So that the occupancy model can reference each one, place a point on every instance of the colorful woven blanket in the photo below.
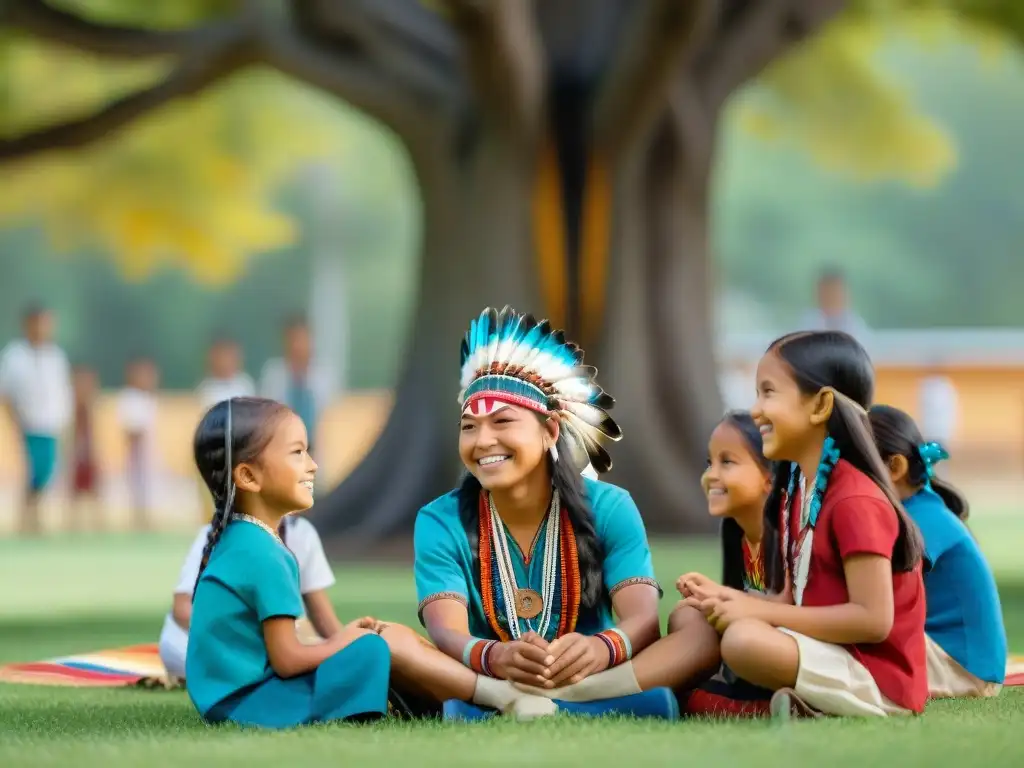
(134, 665)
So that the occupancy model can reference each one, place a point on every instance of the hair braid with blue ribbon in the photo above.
(827, 463)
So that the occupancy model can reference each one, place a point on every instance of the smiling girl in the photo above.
(736, 482)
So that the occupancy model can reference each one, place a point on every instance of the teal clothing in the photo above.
(444, 563)
(302, 401)
(252, 577)
(41, 455)
(964, 613)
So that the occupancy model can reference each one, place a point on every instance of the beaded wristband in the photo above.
(619, 647)
(475, 654)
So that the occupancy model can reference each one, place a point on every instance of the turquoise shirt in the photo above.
(964, 614)
(444, 562)
(251, 577)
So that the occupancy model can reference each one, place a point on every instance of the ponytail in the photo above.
(771, 541)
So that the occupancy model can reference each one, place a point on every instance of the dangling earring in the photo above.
(553, 450)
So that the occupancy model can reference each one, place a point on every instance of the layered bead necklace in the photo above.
(527, 603)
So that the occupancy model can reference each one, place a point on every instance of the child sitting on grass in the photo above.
(736, 482)
(315, 578)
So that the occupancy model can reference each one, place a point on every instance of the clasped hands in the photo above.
(533, 661)
(720, 605)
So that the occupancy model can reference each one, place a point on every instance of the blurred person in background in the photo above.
(833, 311)
(137, 414)
(84, 471)
(297, 380)
(35, 386)
(938, 404)
(225, 377)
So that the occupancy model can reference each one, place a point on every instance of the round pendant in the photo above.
(529, 603)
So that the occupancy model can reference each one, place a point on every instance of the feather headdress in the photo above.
(510, 358)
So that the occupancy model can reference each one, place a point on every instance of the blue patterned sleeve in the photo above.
(437, 567)
(627, 559)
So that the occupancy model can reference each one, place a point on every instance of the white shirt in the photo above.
(276, 376)
(136, 413)
(212, 391)
(37, 382)
(938, 403)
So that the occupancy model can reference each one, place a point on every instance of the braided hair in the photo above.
(232, 432)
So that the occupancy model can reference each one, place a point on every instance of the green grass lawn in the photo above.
(69, 595)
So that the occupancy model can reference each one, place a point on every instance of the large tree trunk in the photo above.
(490, 240)
(658, 346)
(591, 214)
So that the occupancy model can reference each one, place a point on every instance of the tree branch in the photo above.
(399, 37)
(505, 59)
(340, 70)
(42, 20)
(663, 34)
(192, 76)
(752, 35)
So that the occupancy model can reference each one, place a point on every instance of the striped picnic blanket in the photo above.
(113, 668)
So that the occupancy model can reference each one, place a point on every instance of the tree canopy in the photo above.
(152, 131)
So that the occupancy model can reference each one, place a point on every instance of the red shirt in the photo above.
(856, 518)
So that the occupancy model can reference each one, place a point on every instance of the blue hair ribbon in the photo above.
(931, 454)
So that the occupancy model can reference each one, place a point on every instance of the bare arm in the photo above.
(866, 618)
(181, 611)
(447, 624)
(636, 606)
(321, 613)
(290, 658)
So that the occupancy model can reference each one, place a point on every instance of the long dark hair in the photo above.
(567, 481)
(252, 423)
(733, 566)
(820, 359)
(896, 434)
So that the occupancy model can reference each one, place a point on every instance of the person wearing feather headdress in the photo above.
(520, 570)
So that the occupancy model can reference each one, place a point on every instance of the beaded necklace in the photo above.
(796, 548)
(560, 578)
